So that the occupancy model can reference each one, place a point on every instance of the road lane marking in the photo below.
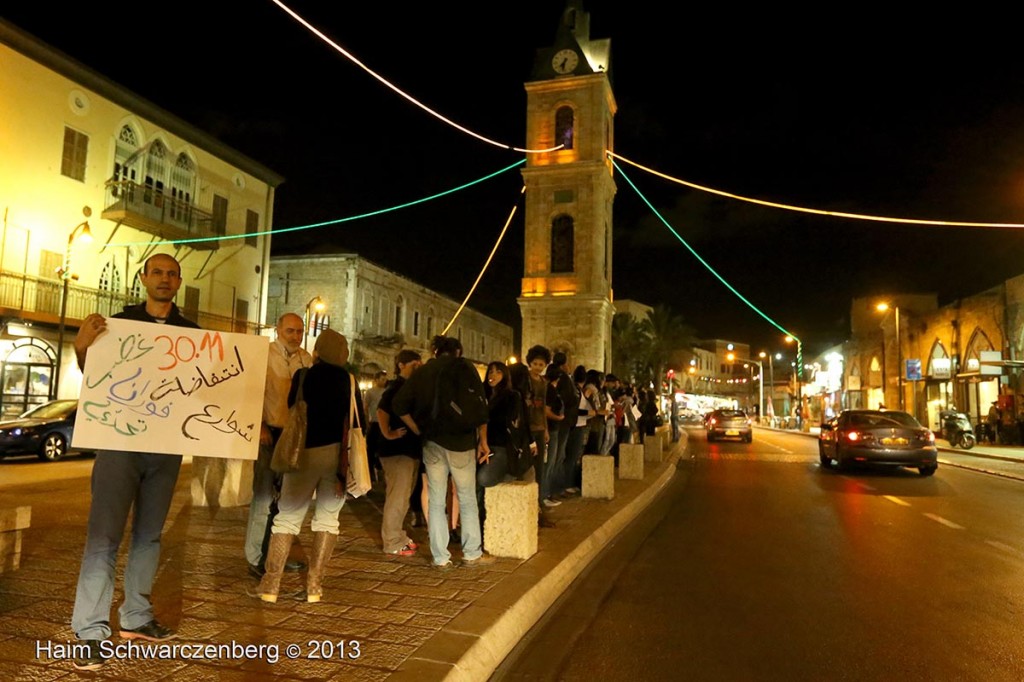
(945, 522)
(1005, 547)
(896, 500)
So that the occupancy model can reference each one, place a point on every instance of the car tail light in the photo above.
(929, 436)
(853, 436)
(712, 421)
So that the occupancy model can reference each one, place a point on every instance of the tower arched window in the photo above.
(562, 244)
(564, 128)
(136, 291)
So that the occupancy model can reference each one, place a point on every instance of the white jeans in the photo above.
(318, 474)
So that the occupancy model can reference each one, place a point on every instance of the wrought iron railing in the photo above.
(156, 206)
(42, 296)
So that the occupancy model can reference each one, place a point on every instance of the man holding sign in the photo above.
(119, 480)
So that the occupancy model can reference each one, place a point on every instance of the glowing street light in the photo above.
(883, 307)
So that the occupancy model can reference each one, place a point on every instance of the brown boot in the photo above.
(277, 555)
(323, 546)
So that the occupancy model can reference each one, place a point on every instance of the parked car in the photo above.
(45, 431)
(728, 424)
(885, 437)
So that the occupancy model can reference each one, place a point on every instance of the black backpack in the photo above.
(459, 403)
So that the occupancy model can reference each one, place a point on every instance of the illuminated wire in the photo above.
(700, 259)
(815, 211)
(482, 271)
(333, 222)
(319, 34)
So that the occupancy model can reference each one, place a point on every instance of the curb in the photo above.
(478, 640)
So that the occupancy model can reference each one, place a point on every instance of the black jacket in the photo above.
(138, 313)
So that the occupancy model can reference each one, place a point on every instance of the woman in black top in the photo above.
(327, 390)
(400, 455)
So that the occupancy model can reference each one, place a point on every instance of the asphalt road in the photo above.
(759, 565)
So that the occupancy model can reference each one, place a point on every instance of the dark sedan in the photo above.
(44, 431)
(728, 424)
(886, 437)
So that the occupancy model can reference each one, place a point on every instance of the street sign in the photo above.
(913, 369)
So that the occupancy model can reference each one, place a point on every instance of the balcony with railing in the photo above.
(37, 299)
(149, 209)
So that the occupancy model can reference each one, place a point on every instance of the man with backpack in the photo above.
(443, 403)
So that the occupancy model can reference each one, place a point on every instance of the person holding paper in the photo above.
(120, 480)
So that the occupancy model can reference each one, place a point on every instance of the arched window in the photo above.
(27, 372)
(979, 342)
(125, 155)
(136, 293)
(399, 312)
(156, 172)
(938, 362)
(109, 288)
(562, 244)
(183, 181)
(564, 118)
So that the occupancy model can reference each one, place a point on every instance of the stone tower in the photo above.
(566, 299)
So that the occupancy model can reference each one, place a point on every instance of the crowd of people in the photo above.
(439, 433)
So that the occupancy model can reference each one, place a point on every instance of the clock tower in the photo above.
(566, 300)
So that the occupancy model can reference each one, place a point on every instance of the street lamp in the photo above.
(771, 377)
(760, 381)
(82, 233)
(882, 307)
(318, 306)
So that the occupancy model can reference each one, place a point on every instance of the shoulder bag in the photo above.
(357, 481)
(293, 437)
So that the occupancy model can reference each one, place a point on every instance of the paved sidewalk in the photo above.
(382, 617)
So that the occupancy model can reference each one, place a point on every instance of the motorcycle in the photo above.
(956, 428)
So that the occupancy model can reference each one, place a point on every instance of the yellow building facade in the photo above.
(82, 154)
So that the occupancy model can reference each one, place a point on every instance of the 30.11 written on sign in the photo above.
(172, 390)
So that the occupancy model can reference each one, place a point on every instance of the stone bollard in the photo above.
(13, 522)
(510, 528)
(599, 477)
(631, 461)
(652, 449)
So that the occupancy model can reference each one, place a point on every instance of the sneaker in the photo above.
(151, 632)
(404, 551)
(549, 502)
(482, 560)
(412, 545)
(573, 491)
(91, 657)
(445, 567)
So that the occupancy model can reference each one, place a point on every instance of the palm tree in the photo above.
(630, 347)
(668, 333)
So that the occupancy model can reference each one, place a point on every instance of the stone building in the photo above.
(566, 299)
(379, 311)
(83, 156)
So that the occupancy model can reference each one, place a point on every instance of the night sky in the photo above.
(863, 114)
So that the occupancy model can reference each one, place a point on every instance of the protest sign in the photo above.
(172, 390)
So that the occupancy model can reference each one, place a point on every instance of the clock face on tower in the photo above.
(565, 61)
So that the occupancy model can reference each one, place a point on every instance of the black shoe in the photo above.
(294, 566)
(91, 657)
(455, 536)
(255, 571)
(151, 632)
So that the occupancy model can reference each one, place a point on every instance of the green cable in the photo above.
(332, 222)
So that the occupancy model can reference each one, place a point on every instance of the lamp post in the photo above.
(80, 232)
(799, 375)
(771, 377)
(318, 306)
(760, 381)
(882, 307)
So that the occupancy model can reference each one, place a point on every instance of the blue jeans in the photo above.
(554, 481)
(491, 473)
(574, 453)
(259, 508)
(120, 479)
(439, 462)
